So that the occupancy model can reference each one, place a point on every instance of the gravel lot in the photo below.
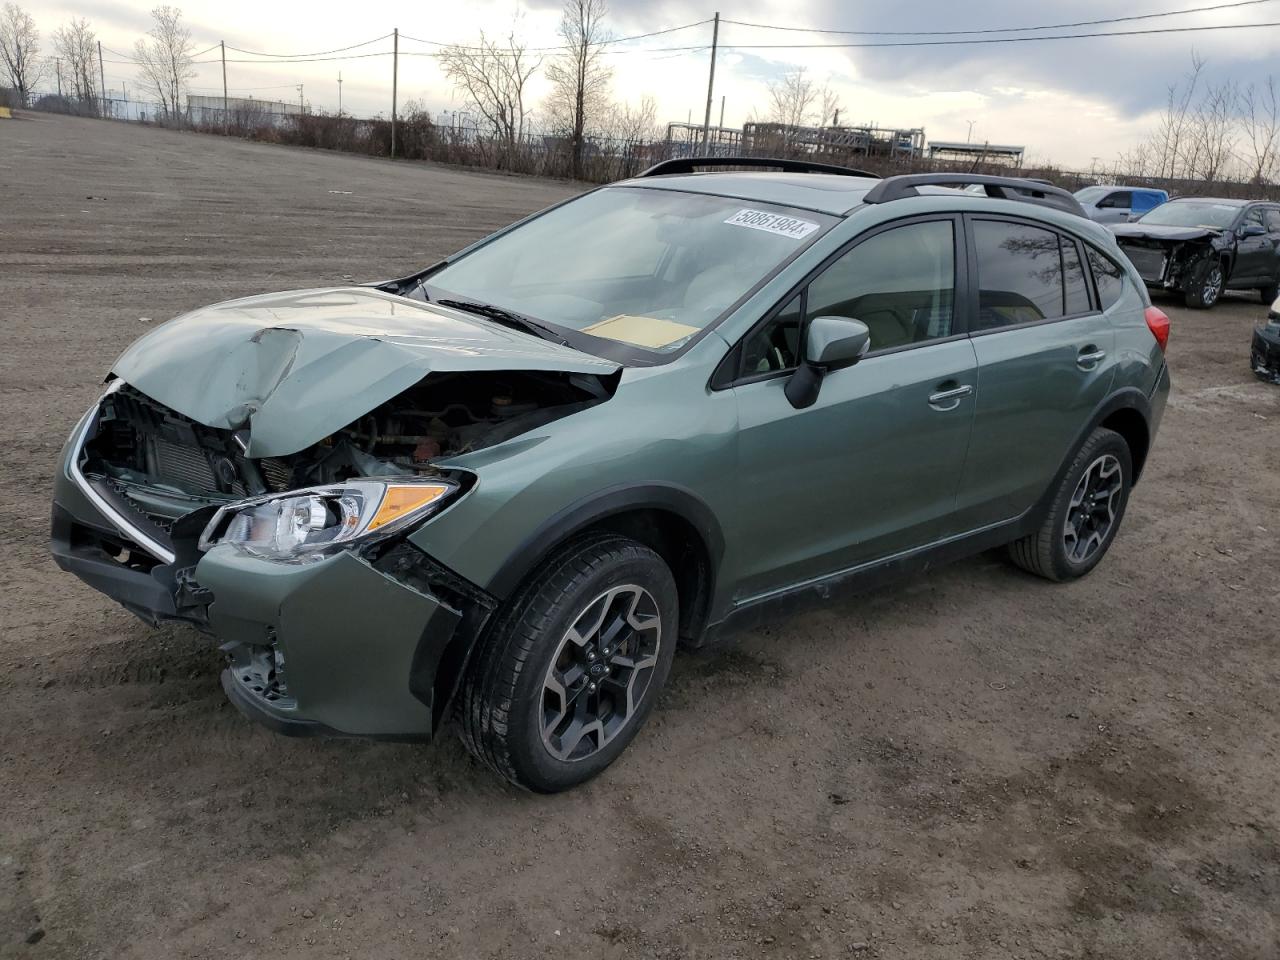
(974, 764)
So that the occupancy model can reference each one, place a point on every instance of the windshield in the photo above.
(640, 267)
(1192, 213)
(1090, 194)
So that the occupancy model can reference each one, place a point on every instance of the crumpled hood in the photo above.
(295, 367)
(1140, 231)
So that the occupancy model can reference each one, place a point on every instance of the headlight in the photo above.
(305, 524)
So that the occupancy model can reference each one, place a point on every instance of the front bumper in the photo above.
(357, 645)
(1264, 352)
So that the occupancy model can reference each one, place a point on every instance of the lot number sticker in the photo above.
(773, 223)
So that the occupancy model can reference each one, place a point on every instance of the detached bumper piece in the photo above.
(1265, 352)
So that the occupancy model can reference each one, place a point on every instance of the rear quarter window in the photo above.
(1108, 277)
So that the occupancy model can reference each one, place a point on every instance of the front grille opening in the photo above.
(141, 441)
(128, 555)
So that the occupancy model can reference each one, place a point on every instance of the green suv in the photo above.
(507, 487)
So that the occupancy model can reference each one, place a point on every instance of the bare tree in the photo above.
(492, 78)
(1260, 120)
(579, 77)
(164, 57)
(631, 124)
(20, 50)
(1211, 145)
(792, 99)
(76, 45)
(829, 107)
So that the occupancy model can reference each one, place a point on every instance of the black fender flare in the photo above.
(598, 506)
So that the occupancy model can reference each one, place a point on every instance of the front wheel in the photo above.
(1206, 286)
(572, 667)
(1269, 293)
(1085, 513)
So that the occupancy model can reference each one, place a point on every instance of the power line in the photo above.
(990, 40)
(315, 53)
(1047, 26)
(606, 42)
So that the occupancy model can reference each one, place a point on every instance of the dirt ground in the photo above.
(975, 764)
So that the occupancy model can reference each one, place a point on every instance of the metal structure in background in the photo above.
(1004, 154)
(240, 112)
(762, 139)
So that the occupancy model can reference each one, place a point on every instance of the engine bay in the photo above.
(165, 464)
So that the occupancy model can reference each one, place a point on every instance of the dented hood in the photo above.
(295, 367)
(1140, 231)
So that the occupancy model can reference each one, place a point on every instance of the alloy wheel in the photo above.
(600, 672)
(1091, 514)
(1212, 287)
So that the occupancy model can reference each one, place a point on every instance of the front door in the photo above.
(1254, 255)
(871, 469)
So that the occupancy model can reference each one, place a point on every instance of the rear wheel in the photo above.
(1207, 284)
(571, 669)
(1085, 513)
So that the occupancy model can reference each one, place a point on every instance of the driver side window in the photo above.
(900, 283)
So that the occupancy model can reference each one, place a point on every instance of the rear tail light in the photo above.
(1158, 322)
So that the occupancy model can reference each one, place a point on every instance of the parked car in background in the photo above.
(509, 484)
(1119, 204)
(1265, 353)
(1200, 246)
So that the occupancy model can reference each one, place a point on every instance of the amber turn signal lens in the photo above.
(401, 499)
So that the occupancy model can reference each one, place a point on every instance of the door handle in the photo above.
(945, 400)
(1089, 357)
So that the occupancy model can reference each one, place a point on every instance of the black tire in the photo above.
(1048, 551)
(503, 700)
(1207, 284)
(1269, 293)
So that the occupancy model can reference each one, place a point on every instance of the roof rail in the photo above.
(691, 164)
(1006, 188)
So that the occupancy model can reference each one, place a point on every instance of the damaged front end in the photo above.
(1170, 258)
(298, 561)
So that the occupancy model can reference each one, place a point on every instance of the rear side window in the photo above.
(1108, 277)
(1021, 275)
(1121, 198)
(1077, 288)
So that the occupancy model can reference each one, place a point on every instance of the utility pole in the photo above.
(301, 104)
(969, 136)
(339, 93)
(711, 82)
(102, 78)
(722, 113)
(58, 70)
(223, 45)
(395, 75)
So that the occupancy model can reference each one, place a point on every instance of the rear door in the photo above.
(1044, 353)
(1115, 207)
(872, 467)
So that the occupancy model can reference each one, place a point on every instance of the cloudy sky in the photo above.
(1067, 101)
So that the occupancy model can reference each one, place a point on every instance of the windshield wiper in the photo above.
(507, 318)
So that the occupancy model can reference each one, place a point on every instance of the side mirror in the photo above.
(828, 342)
(1251, 230)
